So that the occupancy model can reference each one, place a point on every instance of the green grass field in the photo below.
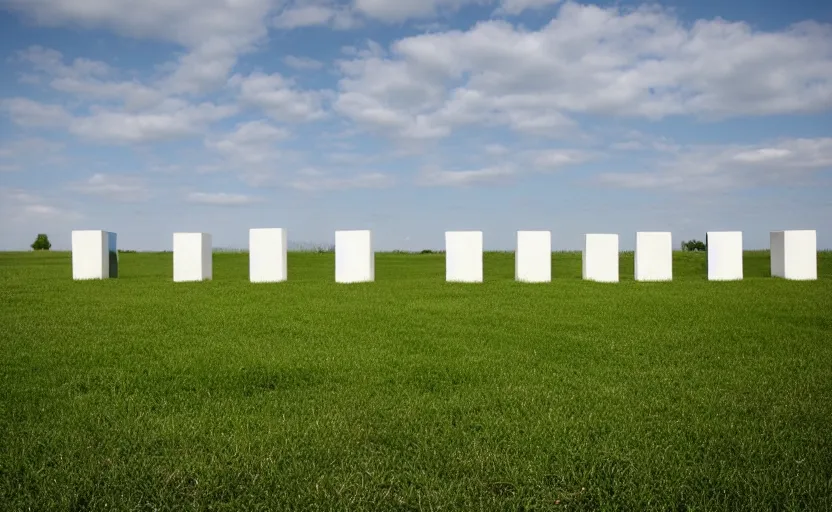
(411, 393)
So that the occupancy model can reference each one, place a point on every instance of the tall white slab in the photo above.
(463, 256)
(192, 257)
(654, 256)
(794, 254)
(94, 254)
(600, 258)
(724, 255)
(533, 258)
(354, 257)
(267, 261)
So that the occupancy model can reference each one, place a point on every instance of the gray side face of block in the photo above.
(372, 258)
(207, 257)
(777, 244)
(112, 249)
(284, 240)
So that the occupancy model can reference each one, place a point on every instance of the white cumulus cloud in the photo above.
(278, 97)
(641, 63)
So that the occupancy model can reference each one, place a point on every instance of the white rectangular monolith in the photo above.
(794, 254)
(654, 256)
(600, 258)
(94, 254)
(267, 255)
(354, 257)
(463, 256)
(533, 258)
(192, 257)
(724, 255)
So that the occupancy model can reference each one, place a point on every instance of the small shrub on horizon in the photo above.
(694, 245)
(41, 243)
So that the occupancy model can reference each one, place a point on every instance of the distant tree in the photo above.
(694, 245)
(41, 243)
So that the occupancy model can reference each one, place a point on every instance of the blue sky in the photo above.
(147, 117)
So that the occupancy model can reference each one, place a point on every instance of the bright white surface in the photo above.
(600, 258)
(724, 255)
(463, 256)
(354, 257)
(654, 256)
(533, 259)
(192, 257)
(90, 254)
(794, 254)
(267, 255)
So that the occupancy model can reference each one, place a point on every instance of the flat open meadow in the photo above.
(410, 393)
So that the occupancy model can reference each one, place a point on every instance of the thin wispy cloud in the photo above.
(221, 199)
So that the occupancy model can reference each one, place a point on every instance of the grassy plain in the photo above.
(411, 393)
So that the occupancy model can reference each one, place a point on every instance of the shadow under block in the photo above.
(463, 256)
(192, 257)
(533, 258)
(599, 259)
(654, 256)
(794, 255)
(267, 255)
(724, 255)
(94, 254)
(354, 257)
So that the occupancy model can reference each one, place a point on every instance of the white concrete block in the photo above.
(192, 257)
(94, 254)
(533, 258)
(267, 255)
(354, 257)
(794, 254)
(654, 256)
(600, 258)
(724, 255)
(463, 256)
